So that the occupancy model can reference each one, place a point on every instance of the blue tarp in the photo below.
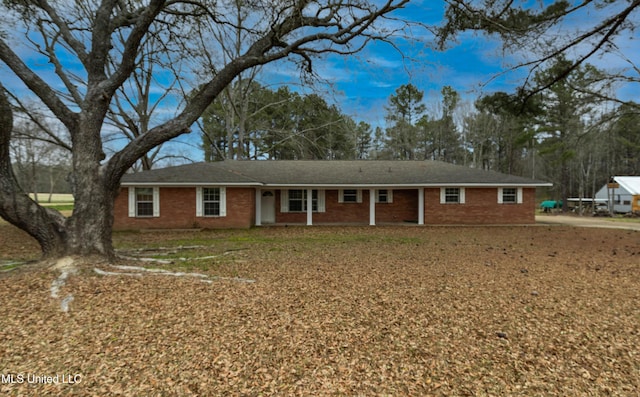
(547, 204)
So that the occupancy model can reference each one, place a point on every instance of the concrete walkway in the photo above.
(588, 221)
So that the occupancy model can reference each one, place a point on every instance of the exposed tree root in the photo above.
(159, 271)
(138, 271)
(64, 304)
(9, 266)
(136, 255)
(154, 260)
(105, 273)
(133, 251)
(69, 266)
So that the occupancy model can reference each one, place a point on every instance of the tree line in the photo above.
(568, 133)
(251, 121)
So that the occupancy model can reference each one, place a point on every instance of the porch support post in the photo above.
(372, 207)
(258, 207)
(309, 207)
(421, 206)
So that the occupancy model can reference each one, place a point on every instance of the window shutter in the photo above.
(156, 202)
(359, 195)
(321, 206)
(223, 201)
(443, 195)
(519, 195)
(462, 195)
(198, 201)
(284, 200)
(341, 196)
(132, 202)
(500, 195)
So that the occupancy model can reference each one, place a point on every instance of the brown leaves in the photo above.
(344, 311)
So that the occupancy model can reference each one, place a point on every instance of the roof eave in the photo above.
(332, 185)
(190, 184)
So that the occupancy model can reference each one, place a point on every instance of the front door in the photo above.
(268, 207)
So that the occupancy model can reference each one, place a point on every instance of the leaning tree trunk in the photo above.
(44, 225)
(88, 230)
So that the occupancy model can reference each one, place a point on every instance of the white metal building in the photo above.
(621, 193)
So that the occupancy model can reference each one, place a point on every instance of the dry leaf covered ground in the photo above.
(344, 311)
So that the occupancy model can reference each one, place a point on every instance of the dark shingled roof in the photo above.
(326, 173)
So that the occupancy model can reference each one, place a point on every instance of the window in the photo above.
(509, 195)
(144, 202)
(452, 195)
(211, 201)
(295, 200)
(350, 196)
(384, 196)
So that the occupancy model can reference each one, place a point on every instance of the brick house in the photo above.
(242, 194)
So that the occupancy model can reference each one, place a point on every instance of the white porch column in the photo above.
(309, 207)
(372, 207)
(421, 206)
(258, 207)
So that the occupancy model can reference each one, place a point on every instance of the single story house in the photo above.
(622, 194)
(242, 194)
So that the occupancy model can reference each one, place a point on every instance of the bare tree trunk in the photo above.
(46, 226)
(88, 230)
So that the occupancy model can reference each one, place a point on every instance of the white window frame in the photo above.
(443, 195)
(501, 196)
(200, 201)
(133, 202)
(358, 196)
(389, 195)
(284, 201)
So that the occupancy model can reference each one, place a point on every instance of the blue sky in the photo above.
(361, 84)
(473, 66)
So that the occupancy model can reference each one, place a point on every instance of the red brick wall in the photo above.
(404, 207)
(480, 207)
(178, 211)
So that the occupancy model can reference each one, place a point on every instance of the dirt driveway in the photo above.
(585, 221)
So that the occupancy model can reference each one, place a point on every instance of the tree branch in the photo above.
(39, 87)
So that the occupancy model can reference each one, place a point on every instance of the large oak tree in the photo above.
(93, 48)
